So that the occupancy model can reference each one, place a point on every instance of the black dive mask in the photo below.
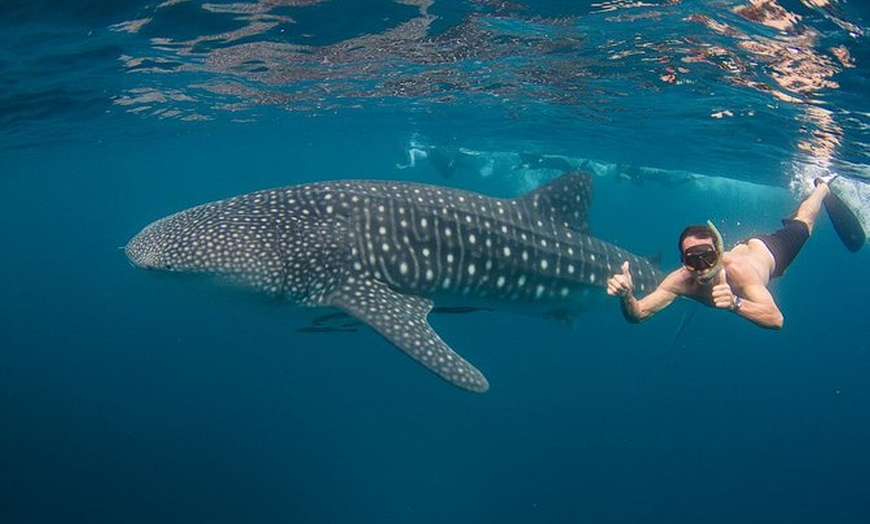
(700, 257)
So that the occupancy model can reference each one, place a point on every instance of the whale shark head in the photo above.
(216, 240)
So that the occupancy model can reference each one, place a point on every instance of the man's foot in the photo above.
(824, 180)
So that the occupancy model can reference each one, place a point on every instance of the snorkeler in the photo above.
(735, 280)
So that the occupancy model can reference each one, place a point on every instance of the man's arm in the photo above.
(757, 306)
(760, 308)
(637, 310)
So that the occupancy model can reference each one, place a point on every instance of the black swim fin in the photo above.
(845, 222)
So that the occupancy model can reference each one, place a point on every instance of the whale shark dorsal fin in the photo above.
(564, 200)
(401, 319)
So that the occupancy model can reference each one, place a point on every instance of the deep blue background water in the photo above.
(127, 397)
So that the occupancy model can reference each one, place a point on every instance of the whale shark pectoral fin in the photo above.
(401, 319)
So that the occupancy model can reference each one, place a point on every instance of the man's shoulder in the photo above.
(678, 282)
(748, 269)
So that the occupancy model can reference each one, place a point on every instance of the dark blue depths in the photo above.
(131, 397)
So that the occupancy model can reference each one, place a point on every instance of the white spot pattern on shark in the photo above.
(383, 251)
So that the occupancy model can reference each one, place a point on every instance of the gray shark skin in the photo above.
(384, 251)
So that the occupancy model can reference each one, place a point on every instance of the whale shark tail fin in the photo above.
(564, 200)
(655, 259)
(846, 224)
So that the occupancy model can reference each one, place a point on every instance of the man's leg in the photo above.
(785, 243)
(810, 207)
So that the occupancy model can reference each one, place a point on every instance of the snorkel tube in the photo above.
(717, 267)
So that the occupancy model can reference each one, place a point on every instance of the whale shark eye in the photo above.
(167, 266)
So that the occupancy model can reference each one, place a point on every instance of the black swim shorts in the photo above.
(785, 244)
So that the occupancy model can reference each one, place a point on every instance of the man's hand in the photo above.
(620, 285)
(723, 297)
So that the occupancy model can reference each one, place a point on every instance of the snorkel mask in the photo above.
(702, 258)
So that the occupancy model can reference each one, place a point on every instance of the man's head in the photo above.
(698, 251)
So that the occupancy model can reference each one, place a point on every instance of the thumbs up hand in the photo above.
(620, 284)
(723, 296)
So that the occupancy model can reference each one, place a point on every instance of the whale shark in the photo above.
(385, 252)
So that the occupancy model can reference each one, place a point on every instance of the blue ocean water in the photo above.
(128, 397)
